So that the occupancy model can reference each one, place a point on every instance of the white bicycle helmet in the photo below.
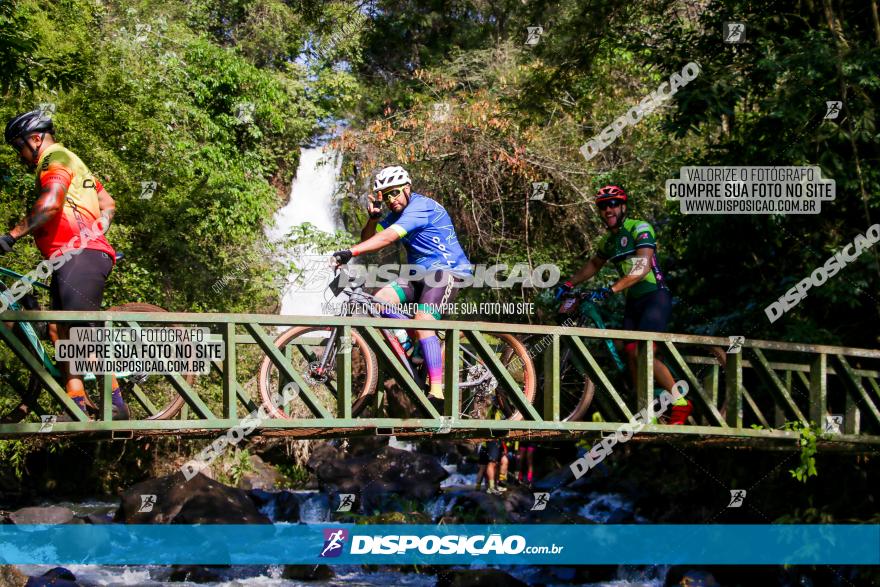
(391, 177)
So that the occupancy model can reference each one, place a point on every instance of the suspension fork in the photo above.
(329, 354)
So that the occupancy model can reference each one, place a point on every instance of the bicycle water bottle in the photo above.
(404, 338)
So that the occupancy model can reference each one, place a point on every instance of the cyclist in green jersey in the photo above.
(632, 246)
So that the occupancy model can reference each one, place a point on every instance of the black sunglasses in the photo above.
(609, 204)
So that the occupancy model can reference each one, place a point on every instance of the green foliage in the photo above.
(232, 466)
(13, 454)
(807, 442)
(296, 475)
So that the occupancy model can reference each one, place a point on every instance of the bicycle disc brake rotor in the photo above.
(315, 375)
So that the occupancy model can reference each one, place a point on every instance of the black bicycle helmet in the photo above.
(29, 122)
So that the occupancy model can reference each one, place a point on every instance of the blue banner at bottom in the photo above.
(427, 544)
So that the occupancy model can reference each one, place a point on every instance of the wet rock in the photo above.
(262, 475)
(57, 577)
(446, 451)
(97, 519)
(557, 478)
(477, 578)
(11, 577)
(307, 572)
(477, 507)
(193, 574)
(174, 500)
(690, 577)
(52, 514)
(381, 479)
(281, 506)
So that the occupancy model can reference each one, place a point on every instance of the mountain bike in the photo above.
(313, 352)
(155, 398)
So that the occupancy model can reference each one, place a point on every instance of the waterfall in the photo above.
(311, 201)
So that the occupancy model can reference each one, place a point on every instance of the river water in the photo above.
(315, 509)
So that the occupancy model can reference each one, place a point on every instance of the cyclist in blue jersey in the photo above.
(425, 229)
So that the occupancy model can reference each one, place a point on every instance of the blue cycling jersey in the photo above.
(426, 230)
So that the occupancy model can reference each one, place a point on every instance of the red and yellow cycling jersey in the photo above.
(81, 208)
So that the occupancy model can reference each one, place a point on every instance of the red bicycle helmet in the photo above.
(610, 192)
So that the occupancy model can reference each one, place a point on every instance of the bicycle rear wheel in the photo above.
(482, 395)
(305, 346)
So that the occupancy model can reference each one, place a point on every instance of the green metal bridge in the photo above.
(757, 394)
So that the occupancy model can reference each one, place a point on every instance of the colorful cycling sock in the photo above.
(529, 476)
(79, 400)
(116, 398)
(434, 363)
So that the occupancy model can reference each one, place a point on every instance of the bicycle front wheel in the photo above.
(305, 347)
(576, 389)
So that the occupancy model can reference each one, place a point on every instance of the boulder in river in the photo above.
(11, 577)
(281, 506)
(52, 514)
(57, 577)
(477, 578)
(261, 476)
(307, 572)
(193, 574)
(381, 478)
(174, 500)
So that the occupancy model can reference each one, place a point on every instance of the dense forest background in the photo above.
(212, 99)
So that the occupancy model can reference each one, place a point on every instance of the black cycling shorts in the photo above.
(436, 289)
(650, 312)
(78, 285)
(493, 451)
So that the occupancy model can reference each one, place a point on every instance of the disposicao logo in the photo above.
(334, 539)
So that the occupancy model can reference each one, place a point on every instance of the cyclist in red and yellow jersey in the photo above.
(70, 203)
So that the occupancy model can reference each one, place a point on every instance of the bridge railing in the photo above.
(756, 390)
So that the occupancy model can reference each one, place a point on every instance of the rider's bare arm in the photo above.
(107, 205)
(587, 271)
(375, 242)
(640, 268)
(50, 202)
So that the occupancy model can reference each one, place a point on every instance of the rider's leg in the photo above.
(531, 460)
(439, 289)
(394, 294)
(432, 353)
(505, 463)
(78, 286)
(649, 313)
(654, 312)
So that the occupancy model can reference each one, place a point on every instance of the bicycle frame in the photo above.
(359, 298)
